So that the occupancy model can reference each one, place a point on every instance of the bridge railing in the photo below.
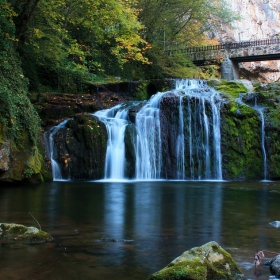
(230, 45)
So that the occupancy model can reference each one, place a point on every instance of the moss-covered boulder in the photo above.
(241, 130)
(207, 262)
(23, 161)
(241, 142)
(12, 233)
(231, 88)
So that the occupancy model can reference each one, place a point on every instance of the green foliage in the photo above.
(209, 72)
(63, 41)
(141, 91)
(27, 173)
(169, 64)
(82, 38)
(16, 111)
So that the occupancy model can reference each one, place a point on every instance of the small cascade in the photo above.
(56, 171)
(260, 110)
(180, 151)
(115, 120)
(148, 145)
(217, 136)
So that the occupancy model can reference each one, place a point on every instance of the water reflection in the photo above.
(162, 218)
(114, 210)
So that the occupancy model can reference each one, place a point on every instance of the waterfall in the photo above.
(180, 151)
(260, 111)
(204, 137)
(116, 121)
(56, 172)
(197, 148)
(180, 142)
(148, 145)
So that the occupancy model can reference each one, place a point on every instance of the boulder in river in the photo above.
(11, 233)
(207, 262)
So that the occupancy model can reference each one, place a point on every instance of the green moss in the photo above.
(188, 270)
(241, 142)
(197, 270)
(231, 89)
(19, 233)
(200, 263)
(141, 91)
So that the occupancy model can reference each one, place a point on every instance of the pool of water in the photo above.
(128, 230)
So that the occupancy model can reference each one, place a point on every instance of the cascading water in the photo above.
(56, 172)
(260, 110)
(148, 145)
(116, 121)
(181, 141)
(204, 143)
(180, 151)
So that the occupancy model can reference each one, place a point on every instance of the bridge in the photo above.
(230, 54)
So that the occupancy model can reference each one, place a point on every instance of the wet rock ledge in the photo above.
(12, 233)
(207, 262)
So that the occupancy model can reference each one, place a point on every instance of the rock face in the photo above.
(53, 108)
(22, 163)
(260, 19)
(80, 148)
(207, 262)
(11, 233)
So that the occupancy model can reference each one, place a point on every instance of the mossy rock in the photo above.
(12, 233)
(231, 88)
(207, 262)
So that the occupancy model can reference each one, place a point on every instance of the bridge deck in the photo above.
(258, 50)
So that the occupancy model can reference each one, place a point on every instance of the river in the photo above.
(128, 230)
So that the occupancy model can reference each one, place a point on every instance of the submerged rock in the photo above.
(11, 233)
(275, 224)
(207, 262)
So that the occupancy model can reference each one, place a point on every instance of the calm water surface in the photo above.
(130, 230)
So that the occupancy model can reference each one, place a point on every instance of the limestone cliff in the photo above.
(260, 19)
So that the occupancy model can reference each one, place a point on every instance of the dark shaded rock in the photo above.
(274, 265)
(207, 262)
(5, 150)
(130, 140)
(12, 233)
(80, 148)
(169, 121)
(54, 107)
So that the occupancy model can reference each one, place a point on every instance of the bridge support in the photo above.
(229, 69)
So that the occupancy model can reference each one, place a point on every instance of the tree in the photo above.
(84, 38)
(16, 111)
(179, 24)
